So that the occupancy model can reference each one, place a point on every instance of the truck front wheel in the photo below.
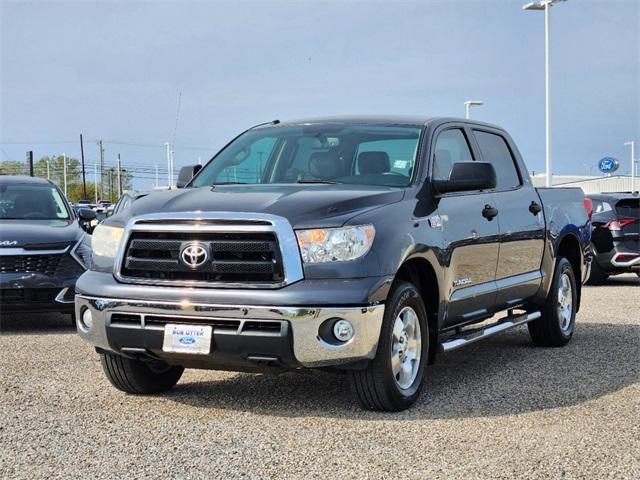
(555, 327)
(393, 380)
(139, 377)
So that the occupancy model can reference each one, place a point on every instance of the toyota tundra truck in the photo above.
(368, 245)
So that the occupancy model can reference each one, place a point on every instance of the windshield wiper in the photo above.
(329, 182)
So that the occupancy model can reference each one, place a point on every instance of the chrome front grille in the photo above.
(242, 251)
(232, 257)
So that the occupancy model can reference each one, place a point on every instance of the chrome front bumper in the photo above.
(308, 348)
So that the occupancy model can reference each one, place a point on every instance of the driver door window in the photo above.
(451, 147)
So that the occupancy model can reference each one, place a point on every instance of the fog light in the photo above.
(343, 330)
(86, 320)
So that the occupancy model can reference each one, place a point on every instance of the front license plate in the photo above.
(187, 338)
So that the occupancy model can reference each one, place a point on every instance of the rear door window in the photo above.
(495, 150)
(600, 206)
(628, 208)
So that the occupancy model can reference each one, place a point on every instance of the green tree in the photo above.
(111, 183)
(40, 167)
(75, 192)
(14, 167)
(57, 170)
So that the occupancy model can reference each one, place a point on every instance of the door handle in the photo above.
(535, 208)
(489, 212)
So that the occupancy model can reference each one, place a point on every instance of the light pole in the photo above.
(632, 144)
(95, 182)
(546, 6)
(64, 172)
(169, 179)
(471, 103)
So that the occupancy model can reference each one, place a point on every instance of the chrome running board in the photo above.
(471, 336)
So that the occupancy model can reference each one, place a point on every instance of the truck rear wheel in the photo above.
(139, 377)
(393, 380)
(555, 327)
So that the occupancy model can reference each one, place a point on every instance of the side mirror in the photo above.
(86, 214)
(186, 174)
(467, 176)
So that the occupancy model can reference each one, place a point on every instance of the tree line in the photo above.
(53, 168)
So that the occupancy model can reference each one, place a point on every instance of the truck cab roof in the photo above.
(22, 179)
(386, 120)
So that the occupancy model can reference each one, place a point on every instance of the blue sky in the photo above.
(112, 70)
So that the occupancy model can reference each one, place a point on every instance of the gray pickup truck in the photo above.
(360, 244)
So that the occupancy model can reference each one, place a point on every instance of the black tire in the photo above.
(139, 377)
(553, 329)
(597, 276)
(376, 386)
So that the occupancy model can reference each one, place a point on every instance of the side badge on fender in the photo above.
(435, 221)
(462, 281)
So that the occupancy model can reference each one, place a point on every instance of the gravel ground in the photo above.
(500, 409)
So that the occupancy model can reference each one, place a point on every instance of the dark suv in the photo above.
(616, 235)
(43, 249)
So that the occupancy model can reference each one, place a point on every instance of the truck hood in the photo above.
(309, 205)
(49, 234)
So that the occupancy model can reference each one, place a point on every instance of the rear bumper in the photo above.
(619, 260)
(244, 336)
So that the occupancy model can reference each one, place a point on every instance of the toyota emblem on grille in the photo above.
(194, 255)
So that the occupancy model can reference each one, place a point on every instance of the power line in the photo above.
(113, 142)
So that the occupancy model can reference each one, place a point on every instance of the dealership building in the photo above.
(590, 183)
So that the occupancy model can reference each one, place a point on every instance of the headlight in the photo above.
(321, 245)
(105, 241)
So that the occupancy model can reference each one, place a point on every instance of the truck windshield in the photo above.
(328, 153)
(32, 202)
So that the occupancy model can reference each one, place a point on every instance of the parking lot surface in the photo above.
(499, 408)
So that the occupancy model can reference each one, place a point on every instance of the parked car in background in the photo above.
(616, 235)
(43, 249)
(126, 200)
(361, 244)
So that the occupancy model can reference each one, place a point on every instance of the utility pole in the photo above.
(119, 177)
(64, 172)
(156, 174)
(30, 162)
(48, 169)
(84, 180)
(101, 169)
(95, 181)
(111, 185)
